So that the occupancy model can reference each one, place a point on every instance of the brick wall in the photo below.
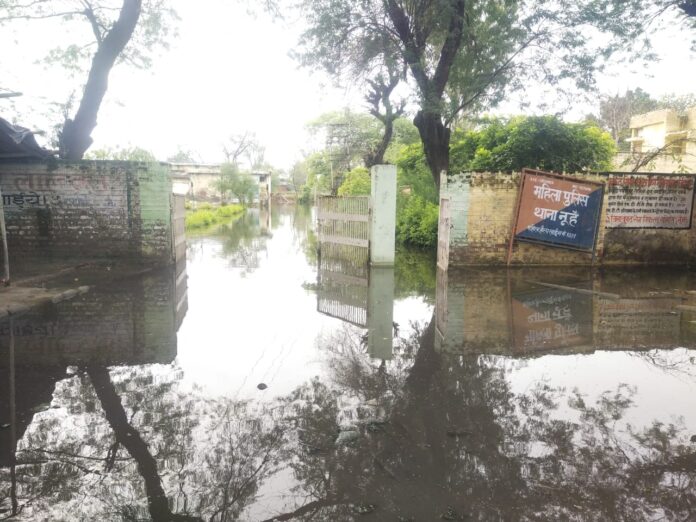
(87, 209)
(482, 211)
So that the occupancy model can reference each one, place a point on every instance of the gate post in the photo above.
(383, 216)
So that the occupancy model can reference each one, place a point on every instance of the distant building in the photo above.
(661, 141)
(199, 181)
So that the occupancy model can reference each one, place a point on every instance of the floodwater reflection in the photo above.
(400, 394)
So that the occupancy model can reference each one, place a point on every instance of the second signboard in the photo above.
(650, 201)
(558, 210)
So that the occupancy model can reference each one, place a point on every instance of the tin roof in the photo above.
(19, 142)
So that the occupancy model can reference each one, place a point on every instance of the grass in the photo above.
(206, 215)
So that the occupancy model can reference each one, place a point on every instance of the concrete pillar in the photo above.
(383, 224)
(380, 313)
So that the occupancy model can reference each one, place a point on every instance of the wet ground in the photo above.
(277, 384)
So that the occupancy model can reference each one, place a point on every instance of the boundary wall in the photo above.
(88, 210)
(477, 212)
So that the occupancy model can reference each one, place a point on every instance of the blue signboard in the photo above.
(558, 211)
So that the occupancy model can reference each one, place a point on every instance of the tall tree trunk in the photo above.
(376, 157)
(130, 439)
(76, 136)
(436, 140)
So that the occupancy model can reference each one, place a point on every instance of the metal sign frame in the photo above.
(515, 219)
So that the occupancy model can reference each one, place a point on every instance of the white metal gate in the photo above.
(344, 220)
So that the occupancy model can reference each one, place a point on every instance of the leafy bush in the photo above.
(416, 222)
(543, 142)
(356, 183)
(305, 196)
(414, 174)
(206, 216)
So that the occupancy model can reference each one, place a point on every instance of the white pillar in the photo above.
(383, 220)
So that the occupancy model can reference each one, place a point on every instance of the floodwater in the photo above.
(273, 383)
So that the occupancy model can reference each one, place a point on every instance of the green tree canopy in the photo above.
(118, 31)
(233, 181)
(461, 55)
(356, 183)
(543, 142)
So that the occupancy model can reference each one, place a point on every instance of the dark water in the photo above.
(281, 385)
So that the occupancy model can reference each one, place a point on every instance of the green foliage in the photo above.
(122, 154)
(233, 181)
(88, 23)
(464, 56)
(413, 173)
(405, 133)
(206, 215)
(416, 222)
(356, 183)
(305, 195)
(543, 142)
(319, 172)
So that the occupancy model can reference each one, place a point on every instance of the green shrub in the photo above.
(305, 196)
(228, 211)
(356, 183)
(416, 222)
(200, 219)
(206, 215)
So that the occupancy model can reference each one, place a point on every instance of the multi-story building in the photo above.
(661, 141)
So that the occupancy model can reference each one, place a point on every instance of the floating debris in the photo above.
(347, 437)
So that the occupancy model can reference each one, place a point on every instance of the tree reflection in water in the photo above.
(152, 452)
(446, 439)
(426, 436)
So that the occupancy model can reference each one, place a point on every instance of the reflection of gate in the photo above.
(179, 253)
(344, 220)
(343, 226)
(343, 282)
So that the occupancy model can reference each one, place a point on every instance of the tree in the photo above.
(379, 96)
(615, 112)
(635, 21)
(461, 55)
(237, 146)
(121, 31)
(543, 142)
(356, 183)
(183, 156)
(122, 154)
(240, 184)
(679, 103)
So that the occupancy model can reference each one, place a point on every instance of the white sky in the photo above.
(228, 72)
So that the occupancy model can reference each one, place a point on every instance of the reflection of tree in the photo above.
(426, 436)
(303, 232)
(155, 451)
(242, 241)
(127, 436)
(414, 274)
(443, 437)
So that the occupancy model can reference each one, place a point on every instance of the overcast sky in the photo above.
(229, 72)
